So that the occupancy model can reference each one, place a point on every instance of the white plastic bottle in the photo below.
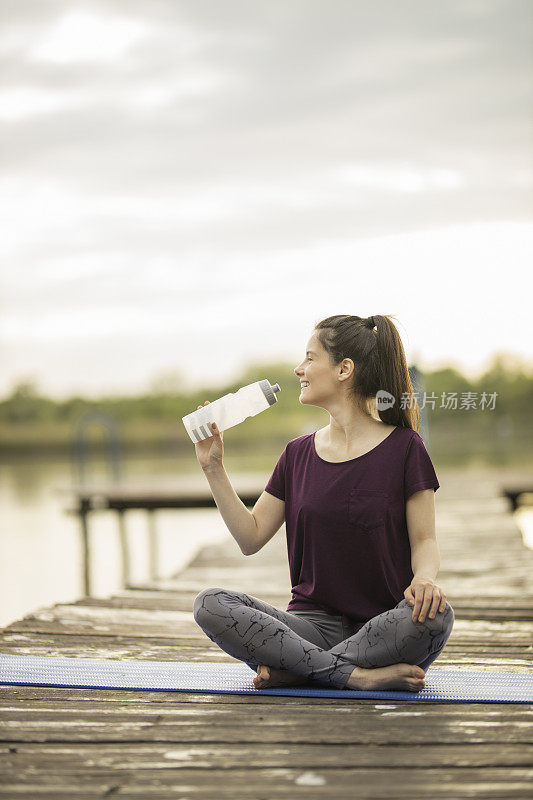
(231, 409)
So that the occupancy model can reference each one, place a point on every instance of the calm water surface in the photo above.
(40, 544)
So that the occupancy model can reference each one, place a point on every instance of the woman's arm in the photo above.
(420, 516)
(239, 520)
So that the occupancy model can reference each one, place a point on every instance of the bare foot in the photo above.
(404, 677)
(268, 676)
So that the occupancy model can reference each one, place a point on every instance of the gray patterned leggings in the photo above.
(257, 633)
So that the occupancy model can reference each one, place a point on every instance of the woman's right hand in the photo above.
(210, 451)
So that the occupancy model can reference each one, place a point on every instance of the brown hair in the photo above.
(379, 360)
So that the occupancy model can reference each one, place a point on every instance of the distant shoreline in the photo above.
(449, 443)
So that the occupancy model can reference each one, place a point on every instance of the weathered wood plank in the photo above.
(178, 648)
(310, 782)
(295, 724)
(373, 714)
(68, 759)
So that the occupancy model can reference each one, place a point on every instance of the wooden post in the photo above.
(124, 549)
(153, 546)
(86, 557)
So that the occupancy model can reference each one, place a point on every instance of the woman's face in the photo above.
(317, 372)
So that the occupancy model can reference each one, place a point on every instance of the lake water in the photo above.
(41, 545)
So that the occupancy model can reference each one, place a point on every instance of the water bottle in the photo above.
(231, 409)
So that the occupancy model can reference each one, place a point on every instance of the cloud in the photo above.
(82, 35)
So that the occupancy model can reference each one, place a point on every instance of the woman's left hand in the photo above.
(424, 594)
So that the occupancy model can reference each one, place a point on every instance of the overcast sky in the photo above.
(188, 187)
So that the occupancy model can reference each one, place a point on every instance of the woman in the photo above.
(357, 499)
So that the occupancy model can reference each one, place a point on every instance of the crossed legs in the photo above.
(258, 633)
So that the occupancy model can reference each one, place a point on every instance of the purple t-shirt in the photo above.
(347, 539)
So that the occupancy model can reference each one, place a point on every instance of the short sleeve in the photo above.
(419, 471)
(276, 482)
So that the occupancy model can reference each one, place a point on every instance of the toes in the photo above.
(263, 675)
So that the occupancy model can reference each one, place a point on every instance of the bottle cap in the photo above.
(270, 391)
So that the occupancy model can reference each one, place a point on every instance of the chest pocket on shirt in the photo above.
(367, 509)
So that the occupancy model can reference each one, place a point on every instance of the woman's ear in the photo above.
(347, 367)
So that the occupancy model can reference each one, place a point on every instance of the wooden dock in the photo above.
(89, 743)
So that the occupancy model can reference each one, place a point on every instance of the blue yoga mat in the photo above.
(445, 686)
